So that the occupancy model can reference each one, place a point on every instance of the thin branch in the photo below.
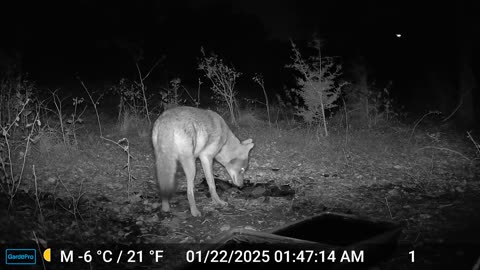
(153, 67)
(445, 149)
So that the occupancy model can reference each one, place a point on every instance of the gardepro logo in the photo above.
(17, 256)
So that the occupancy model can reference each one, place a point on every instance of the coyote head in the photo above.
(235, 161)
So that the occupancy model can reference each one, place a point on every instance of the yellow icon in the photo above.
(47, 255)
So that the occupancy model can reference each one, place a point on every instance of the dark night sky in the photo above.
(97, 38)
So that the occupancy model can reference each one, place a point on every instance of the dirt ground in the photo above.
(425, 181)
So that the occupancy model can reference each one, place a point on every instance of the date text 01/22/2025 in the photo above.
(275, 256)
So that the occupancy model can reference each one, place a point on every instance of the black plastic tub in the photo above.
(326, 241)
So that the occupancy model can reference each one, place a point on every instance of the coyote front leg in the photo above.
(207, 163)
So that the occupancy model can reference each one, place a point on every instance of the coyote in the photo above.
(184, 134)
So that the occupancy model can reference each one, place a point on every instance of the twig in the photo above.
(36, 194)
(58, 106)
(418, 122)
(154, 66)
(456, 109)
(477, 146)
(5, 131)
(75, 201)
(188, 93)
(446, 149)
(346, 121)
(94, 105)
(17, 186)
(125, 148)
(388, 206)
(259, 80)
(10, 186)
(39, 249)
(418, 236)
(142, 86)
(198, 92)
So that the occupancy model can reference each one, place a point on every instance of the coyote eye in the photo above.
(242, 170)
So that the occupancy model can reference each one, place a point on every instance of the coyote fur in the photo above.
(184, 134)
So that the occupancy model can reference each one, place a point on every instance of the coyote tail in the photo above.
(166, 167)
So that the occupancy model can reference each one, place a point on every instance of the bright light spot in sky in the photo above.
(398, 35)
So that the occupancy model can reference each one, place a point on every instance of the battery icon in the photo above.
(47, 255)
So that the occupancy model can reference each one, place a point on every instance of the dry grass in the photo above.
(132, 124)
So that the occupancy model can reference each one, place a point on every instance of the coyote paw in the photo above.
(195, 212)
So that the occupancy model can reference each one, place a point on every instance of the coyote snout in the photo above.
(184, 134)
(237, 166)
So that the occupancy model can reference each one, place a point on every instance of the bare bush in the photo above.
(317, 78)
(223, 79)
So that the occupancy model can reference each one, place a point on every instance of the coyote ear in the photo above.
(247, 141)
